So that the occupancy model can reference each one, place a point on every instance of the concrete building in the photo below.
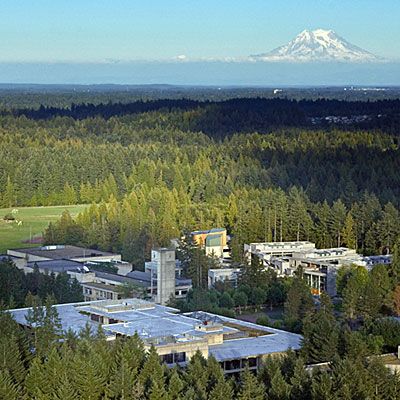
(149, 283)
(230, 275)
(67, 252)
(165, 261)
(159, 282)
(319, 266)
(371, 261)
(100, 291)
(176, 337)
(162, 277)
(265, 251)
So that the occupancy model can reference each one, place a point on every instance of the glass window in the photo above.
(167, 358)
(180, 357)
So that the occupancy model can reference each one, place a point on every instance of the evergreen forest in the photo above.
(155, 167)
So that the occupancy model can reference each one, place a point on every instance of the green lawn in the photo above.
(34, 221)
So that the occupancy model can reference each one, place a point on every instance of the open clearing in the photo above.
(34, 220)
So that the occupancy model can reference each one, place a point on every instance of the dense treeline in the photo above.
(57, 161)
(89, 367)
(17, 288)
(219, 118)
(14, 96)
(151, 216)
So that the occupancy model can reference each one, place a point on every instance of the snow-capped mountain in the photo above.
(317, 45)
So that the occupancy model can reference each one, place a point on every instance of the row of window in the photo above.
(173, 358)
(239, 364)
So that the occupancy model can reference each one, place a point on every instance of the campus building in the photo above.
(214, 241)
(319, 266)
(160, 281)
(67, 253)
(177, 337)
(230, 275)
(265, 251)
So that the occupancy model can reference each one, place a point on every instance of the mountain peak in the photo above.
(317, 45)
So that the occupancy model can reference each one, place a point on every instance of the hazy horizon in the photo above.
(203, 73)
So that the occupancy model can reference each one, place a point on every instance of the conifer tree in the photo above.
(214, 372)
(377, 295)
(122, 381)
(353, 292)
(396, 300)
(349, 232)
(320, 333)
(175, 386)
(394, 267)
(249, 387)
(65, 390)
(157, 390)
(300, 382)
(298, 303)
(152, 372)
(36, 381)
(222, 391)
(279, 389)
(322, 386)
(197, 375)
(11, 359)
(8, 388)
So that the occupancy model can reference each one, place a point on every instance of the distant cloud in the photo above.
(181, 57)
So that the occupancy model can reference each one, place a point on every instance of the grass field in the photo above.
(34, 221)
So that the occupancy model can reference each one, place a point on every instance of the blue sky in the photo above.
(98, 30)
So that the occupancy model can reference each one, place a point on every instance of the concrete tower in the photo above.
(165, 261)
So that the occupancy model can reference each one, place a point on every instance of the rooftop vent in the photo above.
(52, 247)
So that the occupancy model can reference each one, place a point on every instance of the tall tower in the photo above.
(165, 261)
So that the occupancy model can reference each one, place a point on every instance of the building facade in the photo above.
(176, 337)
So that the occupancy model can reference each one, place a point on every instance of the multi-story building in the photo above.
(265, 251)
(230, 275)
(214, 241)
(177, 337)
(158, 282)
(319, 266)
(64, 253)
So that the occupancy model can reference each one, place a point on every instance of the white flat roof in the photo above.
(152, 321)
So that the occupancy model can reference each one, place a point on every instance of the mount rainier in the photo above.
(317, 45)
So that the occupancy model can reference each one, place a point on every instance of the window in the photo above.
(167, 358)
(252, 362)
(94, 317)
(173, 358)
(232, 364)
(180, 357)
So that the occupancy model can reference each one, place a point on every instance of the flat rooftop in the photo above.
(274, 340)
(144, 279)
(160, 324)
(101, 286)
(58, 252)
(57, 266)
(280, 246)
(208, 231)
(115, 277)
